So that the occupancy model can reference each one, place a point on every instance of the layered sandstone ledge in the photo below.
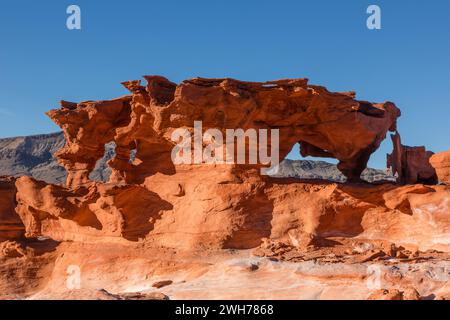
(195, 224)
(194, 210)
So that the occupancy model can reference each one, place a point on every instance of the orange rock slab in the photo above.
(441, 162)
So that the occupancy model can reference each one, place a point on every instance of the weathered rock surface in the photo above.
(33, 156)
(326, 124)
(15, 162)
(411, 164)
(11, 227)
(193, 209)
(325, 273)
(222, 231)
(395, 294)
(441, 162)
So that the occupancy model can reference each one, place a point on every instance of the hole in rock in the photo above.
(148, 158)
(132, 155)
(102, 171)
(318, 168)
(309, 168)
(376, 168)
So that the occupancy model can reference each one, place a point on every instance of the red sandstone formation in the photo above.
(11, 227)
(224, 211)
(411, 164)
(441, 162)
(224, 231)
(326, 124)
(395, 294)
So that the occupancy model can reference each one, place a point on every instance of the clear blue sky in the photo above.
(407, 62)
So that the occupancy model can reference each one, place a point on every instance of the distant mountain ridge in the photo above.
(33, 156)
(311, 169)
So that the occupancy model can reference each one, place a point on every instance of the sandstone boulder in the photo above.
(441, 162)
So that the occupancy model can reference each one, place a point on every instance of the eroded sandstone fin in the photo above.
(411, 164)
